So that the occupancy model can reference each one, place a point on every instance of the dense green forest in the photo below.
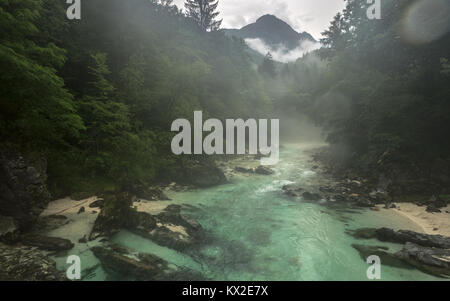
(382, 98)
(97, 96)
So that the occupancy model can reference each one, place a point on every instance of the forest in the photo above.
(95, 97)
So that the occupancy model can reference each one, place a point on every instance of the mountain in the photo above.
(273, 32)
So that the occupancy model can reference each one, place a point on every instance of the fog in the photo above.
(281, 53)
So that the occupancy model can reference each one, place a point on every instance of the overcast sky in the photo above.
(312, 16)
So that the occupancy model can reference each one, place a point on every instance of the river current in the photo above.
(260, 234)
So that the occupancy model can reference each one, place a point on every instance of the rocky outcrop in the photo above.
(309, 196)
(145, 192)
(387, 258)
(265, 171)
(428, 253)
(244, 169)
(139, 266)
(46, 243)
(260, 170)
(115, 214)
(27, 264)
(201, 174)
(9, 230)
(169, 228)
(429, 260)
(403, 236)
(23, 192)
(293, 190)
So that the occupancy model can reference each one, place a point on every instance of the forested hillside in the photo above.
(96, 97)
(382, 93)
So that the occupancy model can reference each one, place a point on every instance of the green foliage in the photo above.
(97, 96)
(35, 108)
(380, 92)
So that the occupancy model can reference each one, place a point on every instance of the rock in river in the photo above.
(46, 242)
(262, 170)
(139, 266)
(429, 260)
(403, 236)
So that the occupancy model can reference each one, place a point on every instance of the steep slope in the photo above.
(272, 31)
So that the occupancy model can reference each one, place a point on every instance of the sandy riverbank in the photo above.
(429, 223)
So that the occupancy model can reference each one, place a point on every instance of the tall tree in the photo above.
(204, 13)
(268, 66)
(35, 107)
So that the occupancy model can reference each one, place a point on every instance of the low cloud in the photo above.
(281, 53)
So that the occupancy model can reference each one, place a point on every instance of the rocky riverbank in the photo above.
(34, 229)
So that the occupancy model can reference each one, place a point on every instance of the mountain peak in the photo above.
(273, 31)
(268, 17)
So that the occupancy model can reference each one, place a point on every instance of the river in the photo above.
(260, 234)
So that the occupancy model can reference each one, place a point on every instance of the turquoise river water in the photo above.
(260, 234)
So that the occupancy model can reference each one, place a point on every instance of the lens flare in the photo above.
(426, 21)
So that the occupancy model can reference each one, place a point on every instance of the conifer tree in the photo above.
(204, 13)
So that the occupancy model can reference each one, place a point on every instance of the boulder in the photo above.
(97, 204)
(386, 257)
(262, 170)
(27, 264)
(429, 260)
(292, 190)
(169, 228)
(146, 192)
(244, 169)
(23, 191)
(308, 196)
(202, 174)
(402, 237)
(139, 266)
(49, 223)
(46, 242)
(9, 229)
(115, 214)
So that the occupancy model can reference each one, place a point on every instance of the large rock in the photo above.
(169, 228)
(23, 192)
(202, 174)
(386, 257)
(244, 169)
(309, 196)
(9, 230)
(293, 190)
(139, 266)
(27, 264)
(46, 242)
(402, 237)
(115, 214)
(265, 171)
(429, 260)
(144, 191)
